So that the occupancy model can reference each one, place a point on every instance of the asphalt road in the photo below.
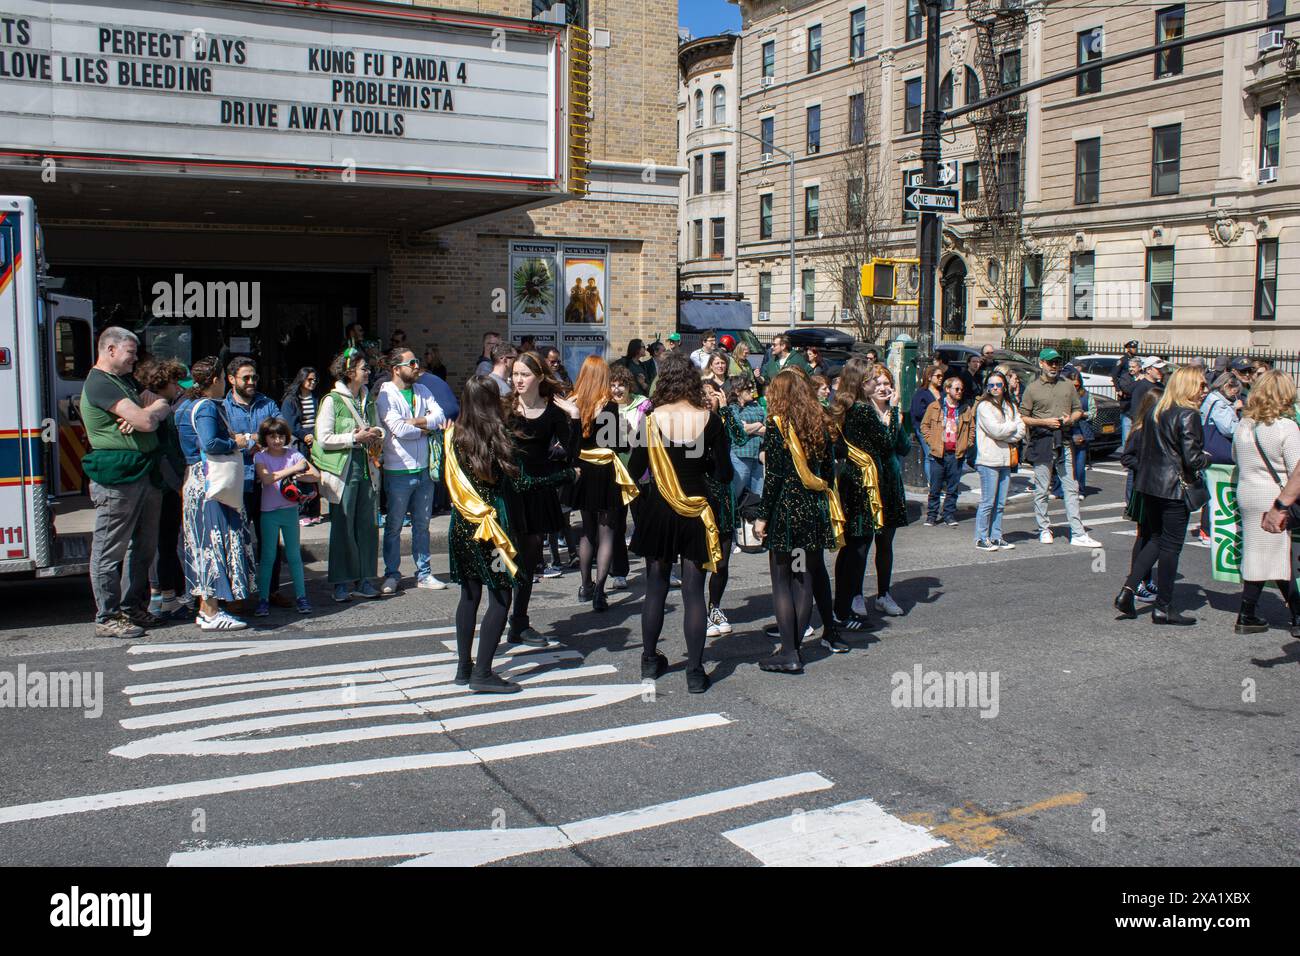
(339, 738)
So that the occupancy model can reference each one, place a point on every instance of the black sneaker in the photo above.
(141, 618)
(832, 640)
(653, 668)
(599, 602)
(584, 594)
(855, 622)
(527, 636)
(489, 683)
(463, 672)
(1250, 624)
(782, 663)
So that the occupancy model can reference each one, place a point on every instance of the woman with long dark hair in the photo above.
(677, 517)
(483, 478)
(298, 408)
(545, 438)
(801, 514)
(605, 488)
(865, 416)
(1169, 480)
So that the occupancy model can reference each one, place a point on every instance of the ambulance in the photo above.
(46, 349)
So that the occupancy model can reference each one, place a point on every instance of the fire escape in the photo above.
(1000, 27)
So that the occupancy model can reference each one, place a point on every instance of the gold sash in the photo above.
(471, 507)
(812, 482)
(607, 456)
(870, 481)
(670, 489)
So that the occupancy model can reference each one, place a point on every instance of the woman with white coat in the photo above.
(998, 430)
(1266, 444)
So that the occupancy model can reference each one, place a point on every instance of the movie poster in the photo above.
(533, 284)
(586, 289)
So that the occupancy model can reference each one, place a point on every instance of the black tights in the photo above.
(821, 588)
(851, 568)
(598, 543)
(494, 622)
(1251, 590)
(792, 598)
(718, 579)
(693, 618)
(529, 560)
(1164, 527)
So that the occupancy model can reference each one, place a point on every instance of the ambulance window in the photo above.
(72, 349)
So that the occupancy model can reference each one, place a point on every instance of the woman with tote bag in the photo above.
(218, 546)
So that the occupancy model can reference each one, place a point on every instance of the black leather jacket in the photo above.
(1172, 448)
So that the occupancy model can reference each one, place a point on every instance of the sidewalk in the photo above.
(315, 540)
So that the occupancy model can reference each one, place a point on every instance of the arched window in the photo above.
(945, 92)
(971, 81)
(699, 108)
(719, 106)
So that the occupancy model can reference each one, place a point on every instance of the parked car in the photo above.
(960, 354)
(1097, 372)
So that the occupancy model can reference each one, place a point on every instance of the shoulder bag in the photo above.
(1292, 513)
(223, 475)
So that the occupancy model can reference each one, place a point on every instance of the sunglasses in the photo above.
(993, 385)
(413, 363)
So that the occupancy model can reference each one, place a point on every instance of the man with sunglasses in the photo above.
(245, 409)
(409, 415)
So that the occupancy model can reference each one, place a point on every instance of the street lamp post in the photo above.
(789, 159)
(928, 232)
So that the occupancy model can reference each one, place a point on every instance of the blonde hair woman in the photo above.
(1266, 446)
(1171, 486)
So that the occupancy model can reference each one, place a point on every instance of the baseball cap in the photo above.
(1153, 361)
(1241, 364)
(1049, 355)
(675, 337)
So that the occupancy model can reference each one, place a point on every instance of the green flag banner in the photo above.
(1225, 523)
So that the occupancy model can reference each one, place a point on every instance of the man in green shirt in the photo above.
(1049, 406)
(782, 357)
(126, 488)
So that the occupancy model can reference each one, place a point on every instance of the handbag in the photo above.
(223, 475)
(435, 456)
(1217, 445)
(1293, 512)
(1195, 495)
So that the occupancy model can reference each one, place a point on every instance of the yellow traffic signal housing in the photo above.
(880, 281)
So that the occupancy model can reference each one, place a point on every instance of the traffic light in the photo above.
(880, 281)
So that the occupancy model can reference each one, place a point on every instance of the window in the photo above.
(857, 119)
(1087, 171)
(1160, 284)
(1276, 8)
(697, 175)
(765, 292)
(767, 133)
(1009, 69)
(719, 106)
(1266, 281)
(912, 106)
(853, 214)
(717, 287)
(72, 349)
(1090, 46)
(1031, 288)
(910, 176)
(697, 239)
(699, 109)
(970, 86)
(1166, 152)
(814, 129)
(814, 49)
(718, 172)
(1081, 273)
(1270, 135)
(1009, 181)
(765, 216)
(849, 284)
(769, 58)
(970, 182)
(718, 249)
(915, 19)
(809, 295)
(858, 33)
(811, 210)
(945, 92)
(1169, 26)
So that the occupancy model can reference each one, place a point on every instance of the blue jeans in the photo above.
(994, 483)
(945, 478)
(1125, 426)
(413, 494)
(920, 443)
(1079, 464)
(748, 475)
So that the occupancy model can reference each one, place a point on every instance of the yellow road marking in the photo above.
(974, 829)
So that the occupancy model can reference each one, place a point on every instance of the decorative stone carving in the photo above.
(1225, 230)
(957, 49)
(886, 59)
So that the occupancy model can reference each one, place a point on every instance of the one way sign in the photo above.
(930, 199)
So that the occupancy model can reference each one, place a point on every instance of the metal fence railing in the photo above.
(1283, 361)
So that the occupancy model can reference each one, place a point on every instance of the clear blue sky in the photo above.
(706, 17)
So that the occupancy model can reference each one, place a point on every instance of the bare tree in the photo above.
(1020, 272)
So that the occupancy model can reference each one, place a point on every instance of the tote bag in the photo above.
(223, 474)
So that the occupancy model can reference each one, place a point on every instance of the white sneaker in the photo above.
(431, 583)
(719, 621)
(1084, 540)
(860, 606)
(887, 605)
(1045, 537)
(221, 621)
(389, 587)
(617, 584)
(674, 581)
(712, 630)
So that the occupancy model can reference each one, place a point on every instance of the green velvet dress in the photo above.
(795, 516)
(887, 445)
(720, 491)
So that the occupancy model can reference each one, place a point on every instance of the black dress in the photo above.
(538, 511)
(885, 444)
(661, 534)
(597, 489)
(796, 517)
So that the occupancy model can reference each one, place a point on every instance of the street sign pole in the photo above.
(928, 232)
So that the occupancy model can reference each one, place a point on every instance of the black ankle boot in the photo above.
(1124, 603)
(463, 671)
(783, 663)
(490, 683)
(697, 682)
(584, 593)
(653, 668)
(1248, 622)
(1167, 615)
(598, 600)
(1295, 623)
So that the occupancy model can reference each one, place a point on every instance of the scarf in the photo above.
(607, 456)
(811, 481)
(472, 508)
(670, 489)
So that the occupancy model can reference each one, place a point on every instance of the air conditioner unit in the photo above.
(767, 81)
(1267, 174)
(846, 315)
(765, 316)
(1269, 40)
(699, 124)
(814, 148)
(765, 158)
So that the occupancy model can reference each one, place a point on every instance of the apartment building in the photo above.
(1158, 190)
(706, 116)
